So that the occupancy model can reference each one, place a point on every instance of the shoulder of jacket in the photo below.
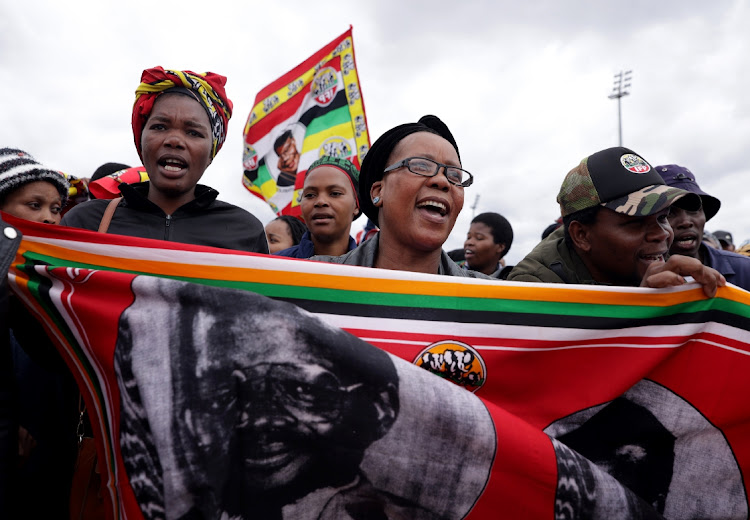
(84, 209)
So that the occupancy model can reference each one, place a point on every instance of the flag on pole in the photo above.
(313, 110)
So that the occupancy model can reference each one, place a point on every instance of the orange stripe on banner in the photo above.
(286, 277)
(735, 295)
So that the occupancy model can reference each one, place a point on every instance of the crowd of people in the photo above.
(623, 222)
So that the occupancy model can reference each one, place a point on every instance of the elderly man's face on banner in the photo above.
(287, 399)
(291, 403)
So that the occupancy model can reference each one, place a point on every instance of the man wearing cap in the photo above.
(615, 229)
(725, 239)
(688, 229)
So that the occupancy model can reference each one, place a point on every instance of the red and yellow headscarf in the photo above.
(206, 88)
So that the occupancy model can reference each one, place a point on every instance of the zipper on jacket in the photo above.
(166, 227)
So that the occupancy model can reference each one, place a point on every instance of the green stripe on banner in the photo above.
(335, 117)
(458, 303)
(263, 176)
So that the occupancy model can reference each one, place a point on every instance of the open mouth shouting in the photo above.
(434, 209)
(686, 242)
(172, 164)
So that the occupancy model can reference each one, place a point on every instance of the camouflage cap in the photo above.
(621, 180)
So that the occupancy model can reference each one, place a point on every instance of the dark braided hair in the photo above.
(297, 228)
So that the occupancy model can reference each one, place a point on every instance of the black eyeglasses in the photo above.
(309, 392)
(430, 168)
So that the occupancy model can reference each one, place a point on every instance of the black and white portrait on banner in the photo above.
(236, 406)
(646, 454)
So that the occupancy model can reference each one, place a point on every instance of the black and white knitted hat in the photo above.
(18, 168)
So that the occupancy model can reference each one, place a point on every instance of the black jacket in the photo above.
(9, 240)
(203, 221)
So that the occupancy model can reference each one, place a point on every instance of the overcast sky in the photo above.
(523, 86)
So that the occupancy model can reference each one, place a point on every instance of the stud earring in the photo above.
(375, 200)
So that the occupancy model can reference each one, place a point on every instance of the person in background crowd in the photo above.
(179, 124)
(30, 191)
(744, 249)
(369, 231)
(710, 240)
(725, 239)
(329, 204)
(412, 187)
(615, 229)
(688, 227)
(284, 232)
(549, 229)
(78, 192)
(487, 242)
(46, 393)
(108, 169)
(104, 170)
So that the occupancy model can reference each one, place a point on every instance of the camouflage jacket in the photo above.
(552, 261)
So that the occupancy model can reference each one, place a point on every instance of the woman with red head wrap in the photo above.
(207, 89)
(179, 122)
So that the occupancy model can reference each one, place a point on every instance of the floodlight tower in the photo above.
(474, 206)
(620, 89)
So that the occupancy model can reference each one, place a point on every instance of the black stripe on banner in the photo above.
(339, 100)
(516, 318)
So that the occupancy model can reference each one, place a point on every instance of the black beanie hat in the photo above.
(377, 157)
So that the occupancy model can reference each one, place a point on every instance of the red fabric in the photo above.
(108, 187)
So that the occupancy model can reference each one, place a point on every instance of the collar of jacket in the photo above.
(136, 196)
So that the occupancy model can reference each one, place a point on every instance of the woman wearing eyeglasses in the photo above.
(412, 186)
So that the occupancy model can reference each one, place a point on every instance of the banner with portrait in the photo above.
(313, 110)
(224, 384)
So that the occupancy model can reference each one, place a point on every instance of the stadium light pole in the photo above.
(620, 89)
(474, 206)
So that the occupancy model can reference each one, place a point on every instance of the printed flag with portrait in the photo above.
(224, 384)
(313, 110)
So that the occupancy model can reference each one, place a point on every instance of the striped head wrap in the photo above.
(18, 168)
(207, 89)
